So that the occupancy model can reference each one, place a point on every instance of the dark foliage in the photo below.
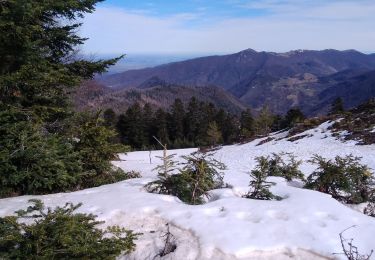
(41, 151)
(359, 123)
(33, 161)
(198, 175)
(275, 165)
(337, 106)
(60, 233)
(259, 186)
(199, 124)
(93, 143)
(345, 178)
(292, 117)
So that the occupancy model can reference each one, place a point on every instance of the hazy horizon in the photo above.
(226, 26)
(133, 61)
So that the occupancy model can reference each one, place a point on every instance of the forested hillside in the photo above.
(280, 80)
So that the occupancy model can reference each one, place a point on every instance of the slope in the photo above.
(304, 225)
(280, 80)
(155, 92)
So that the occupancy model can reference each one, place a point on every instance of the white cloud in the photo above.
(337, 24)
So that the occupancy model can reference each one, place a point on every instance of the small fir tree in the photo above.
(161, 127)
(213, 134)
(149, 128)
(199, 174)
(345, 178)
(264, 121)
(177, 120)
(96, 150)
(110, 118)
(292, 117)
(163, 184)
(247, 124)
(277, 166)
(202, 173)
(60, 233)
(131, 126)
(337, 107)
(259, 184)
(33, 161)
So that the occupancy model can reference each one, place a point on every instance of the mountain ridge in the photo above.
(159, 95)
(279, 80)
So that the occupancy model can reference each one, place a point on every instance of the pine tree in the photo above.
(264, 121)
(37, 53)
(209, 112)
(202, 173)
(177, 120)
(61, 233)
(192, 122)
(96, 149)
(337, 106)
(213, 133)
(277, 124)
(259, 184)
(131, 127)
(275, 165)
(247, 123)
(345, 178)
(160, 123)
(32, 161)
(163, 185)
(230, 128)
(220, 120)
(203, 123)
(292, 117)
(38, 69)
(110, 118)
(149, 129)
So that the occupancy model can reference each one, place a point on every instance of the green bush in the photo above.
(259, 184)
(165, 184)
(35, 161)
(199, 174)
(60, 234)
(276, 166)
(94, 142)
(32, 160)
(112, 175)
(37, 73)
(344, 178)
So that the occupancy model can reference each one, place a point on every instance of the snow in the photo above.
(304, 225)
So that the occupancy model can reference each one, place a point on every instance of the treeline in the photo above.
(194, 124)
(45, 146)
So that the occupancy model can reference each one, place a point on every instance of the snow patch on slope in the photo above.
(304, 225)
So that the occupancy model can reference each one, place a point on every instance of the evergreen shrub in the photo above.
(345, 178)
(60, 233)
(259, 184)
(199, 174)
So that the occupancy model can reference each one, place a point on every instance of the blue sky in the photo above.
(225, 26)
(211, 8)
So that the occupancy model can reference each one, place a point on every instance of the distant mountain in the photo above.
(281, 80)
(354, 90)
(157, 93)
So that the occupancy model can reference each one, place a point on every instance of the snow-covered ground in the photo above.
(304, 225)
